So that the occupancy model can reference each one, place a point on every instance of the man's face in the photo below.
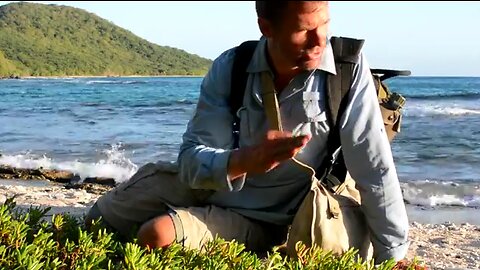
(298, 40)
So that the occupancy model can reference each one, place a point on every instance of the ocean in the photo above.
(110, 126)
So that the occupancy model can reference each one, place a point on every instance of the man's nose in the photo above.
(317, 38)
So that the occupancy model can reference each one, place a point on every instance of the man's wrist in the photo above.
(235, 168)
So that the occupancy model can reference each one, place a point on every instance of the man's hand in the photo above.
(277, 146)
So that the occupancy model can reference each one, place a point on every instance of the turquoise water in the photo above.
(110, 126)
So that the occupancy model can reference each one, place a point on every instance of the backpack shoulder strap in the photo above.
(346, 52)
(243, 54)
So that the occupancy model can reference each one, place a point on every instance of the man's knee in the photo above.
(158, 232)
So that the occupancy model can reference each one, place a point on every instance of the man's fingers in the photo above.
(278, 146)
(284, 156)
(284, 152)
(276, 134)
(287, 144)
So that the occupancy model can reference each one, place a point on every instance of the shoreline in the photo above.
(102, 76)
(443, 214)
(177, 76)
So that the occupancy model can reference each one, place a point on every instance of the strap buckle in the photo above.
(396, 101)
(330, 181)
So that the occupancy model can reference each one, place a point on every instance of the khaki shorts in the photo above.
(153, 192)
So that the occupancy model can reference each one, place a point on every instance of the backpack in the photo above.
(346, 52)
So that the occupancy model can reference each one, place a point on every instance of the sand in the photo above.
(444, 245)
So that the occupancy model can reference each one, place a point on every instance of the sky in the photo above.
(430, 39)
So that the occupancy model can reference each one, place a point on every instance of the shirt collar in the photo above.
(259, 59)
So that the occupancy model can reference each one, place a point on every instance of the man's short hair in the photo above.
(271, 10)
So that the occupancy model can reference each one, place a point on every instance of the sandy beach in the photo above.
(445, 245)
(106, 76)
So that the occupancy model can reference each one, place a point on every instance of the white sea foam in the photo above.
(116, 165)
(432, 110)
(101, 82)
(441, 193)
(452, 111)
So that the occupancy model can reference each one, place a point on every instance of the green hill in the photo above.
(53, 40)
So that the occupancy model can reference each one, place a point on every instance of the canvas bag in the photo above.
(330, 219)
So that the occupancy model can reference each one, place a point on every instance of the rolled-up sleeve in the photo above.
(205, 149)
(369, 160)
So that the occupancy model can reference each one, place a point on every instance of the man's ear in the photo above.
(265, 27)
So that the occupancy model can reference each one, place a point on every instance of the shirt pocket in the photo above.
(302, 110)
(313, 109)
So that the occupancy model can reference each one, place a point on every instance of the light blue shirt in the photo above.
(274, 196)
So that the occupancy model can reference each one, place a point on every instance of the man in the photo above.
(251, 193)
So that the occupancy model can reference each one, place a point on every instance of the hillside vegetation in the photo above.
(52, 40)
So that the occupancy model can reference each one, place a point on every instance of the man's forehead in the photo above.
(308, 6)
(319, 8)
